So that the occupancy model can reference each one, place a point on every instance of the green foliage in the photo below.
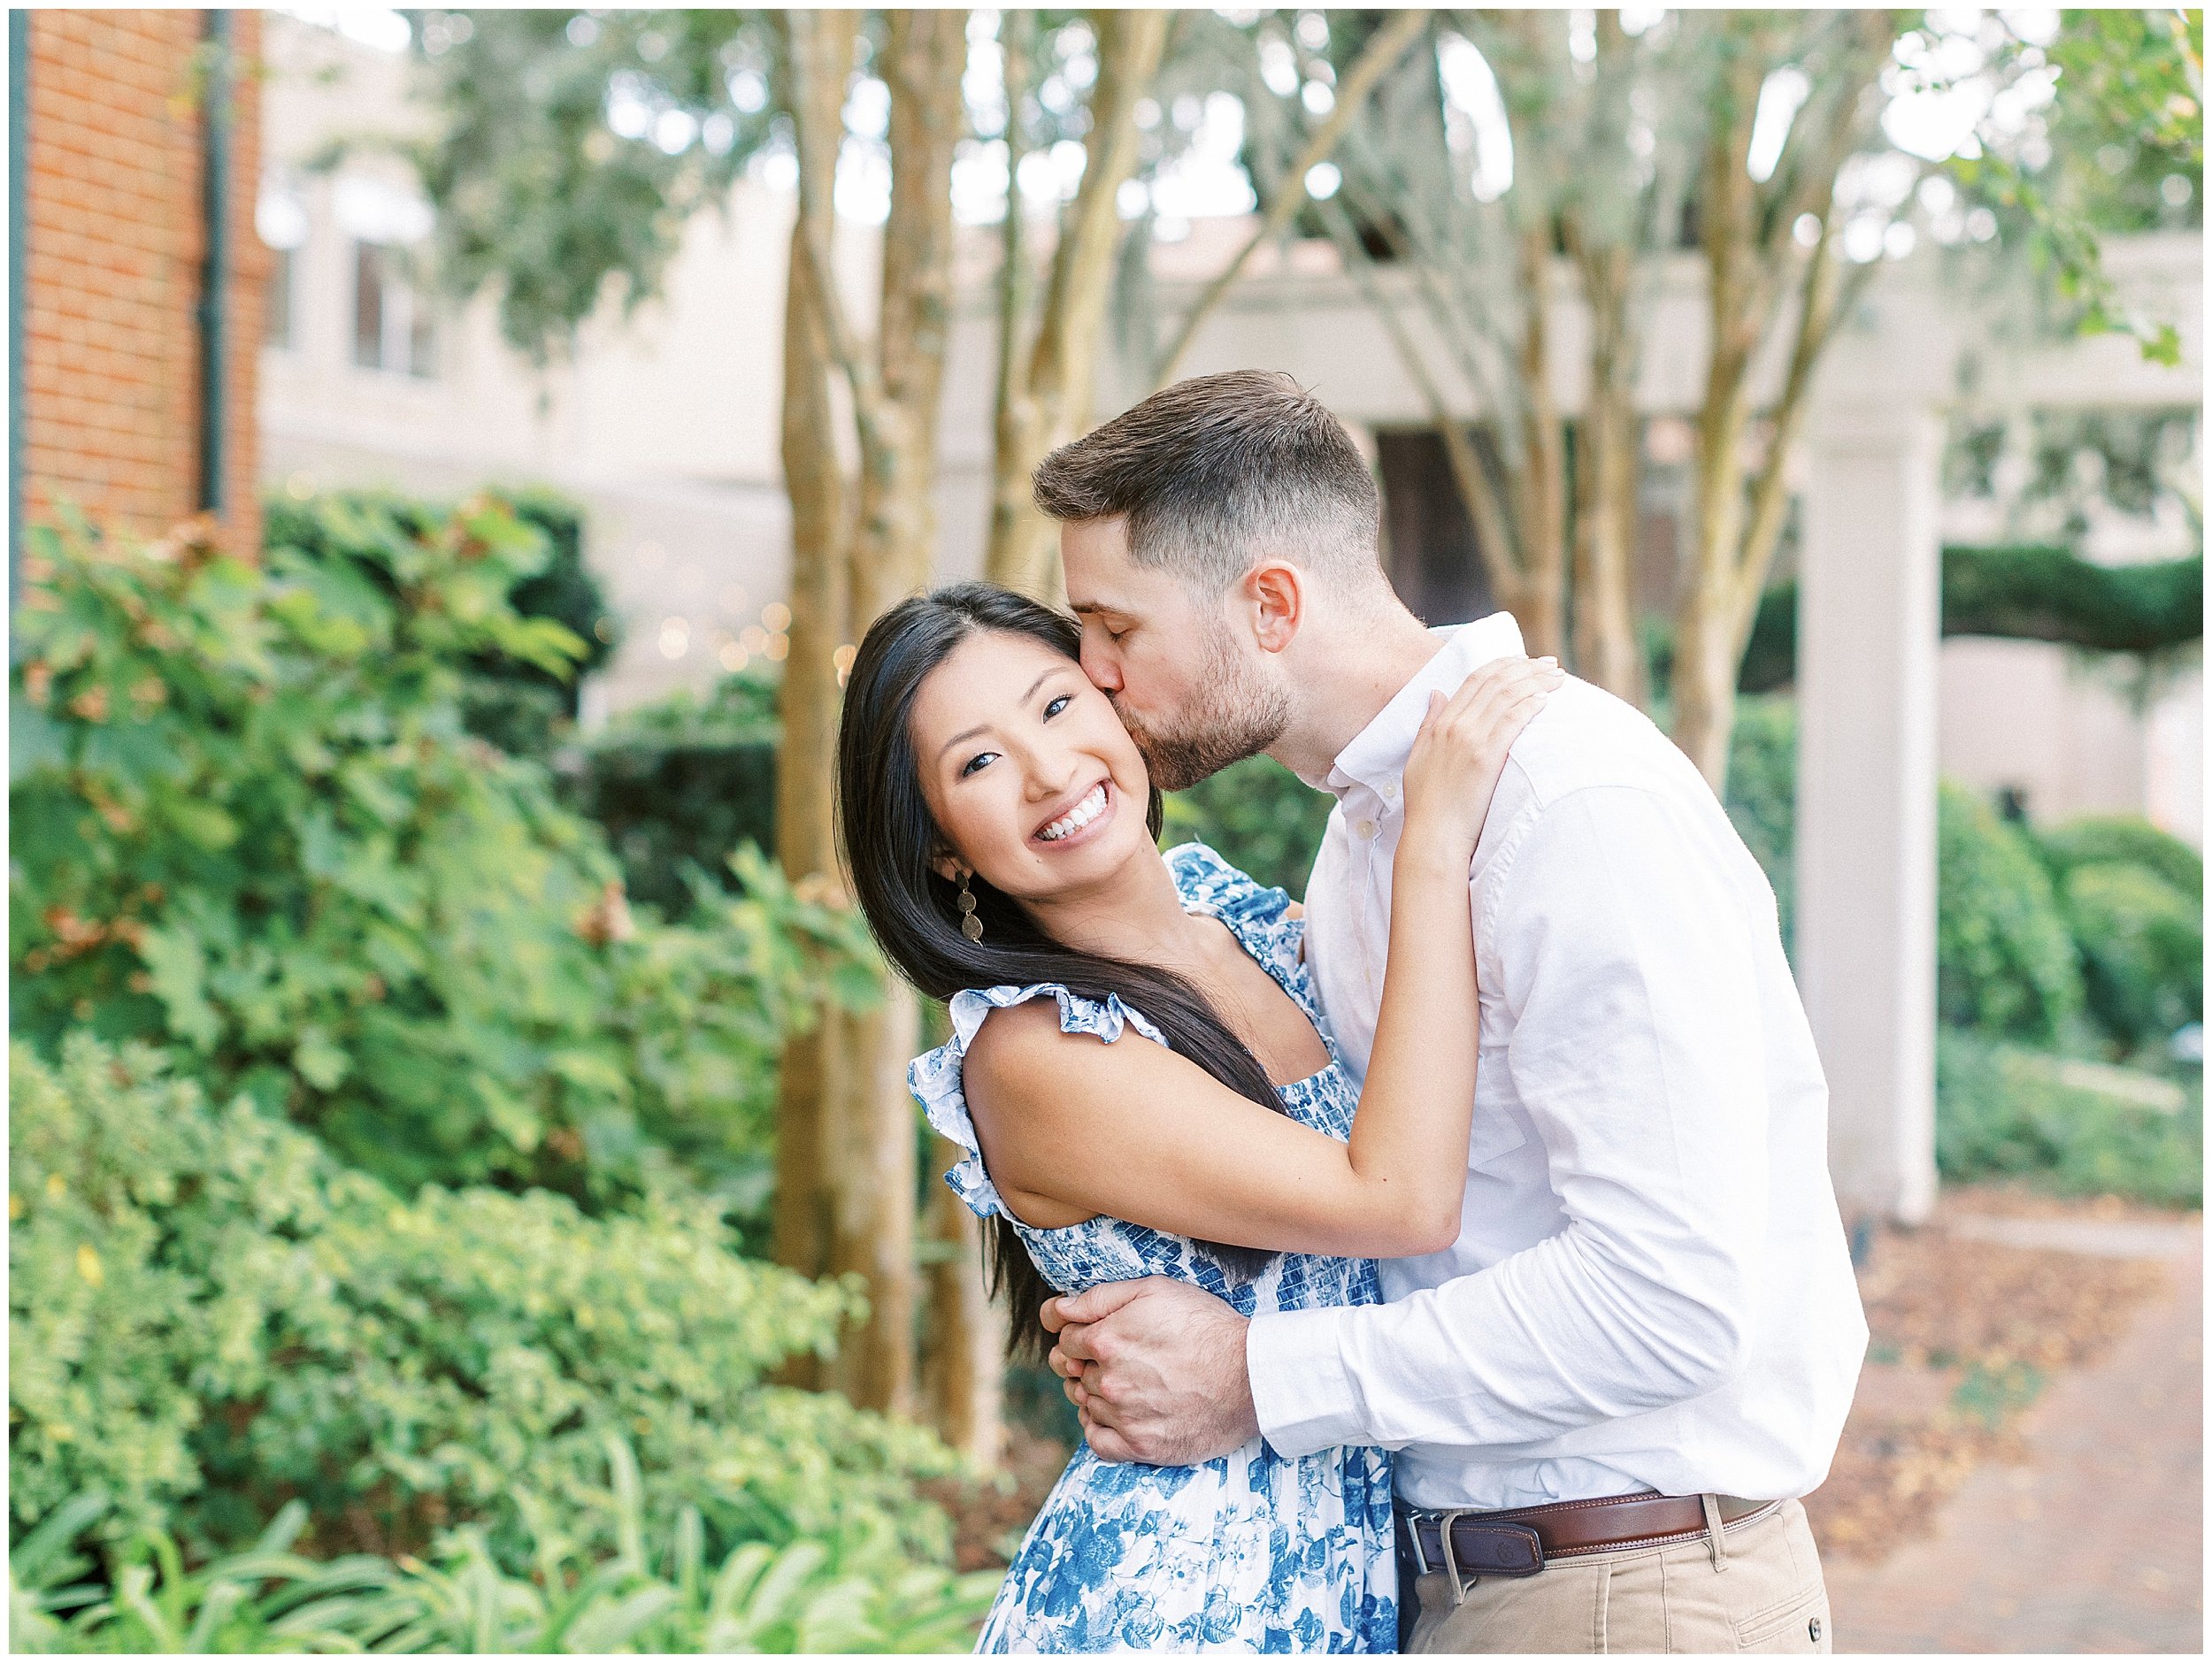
(2030, 592)
(655, 1594)
(2127, 117)
(2004, 961)
(2052, 474)
(249, 822)
(2142, 951)
(1259, 816)
(680, 784)
(209, 1317)
(518, 705)
(2122, 839)
(2134, 898)
(2005, 1111)
(2052, 594)
(1761, 794)
(537, 195)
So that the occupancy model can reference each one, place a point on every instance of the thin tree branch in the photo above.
(1381, 54)
(816, 104)
(1468, 472)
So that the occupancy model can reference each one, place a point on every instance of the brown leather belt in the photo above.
(1519, 1541)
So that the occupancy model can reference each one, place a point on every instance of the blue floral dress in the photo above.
(1250, 1552)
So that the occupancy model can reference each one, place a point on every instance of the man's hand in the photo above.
(1156, 1370)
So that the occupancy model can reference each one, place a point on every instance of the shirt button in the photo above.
(1812, 1630)
(1365, 828)
(1390, 791)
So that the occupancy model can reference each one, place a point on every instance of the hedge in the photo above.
(2028, 592)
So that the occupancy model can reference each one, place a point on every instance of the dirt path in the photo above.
(2094, 1542)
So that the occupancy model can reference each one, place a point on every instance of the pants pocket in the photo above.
(1797, 1625)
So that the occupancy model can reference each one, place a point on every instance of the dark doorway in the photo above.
(1429, 545)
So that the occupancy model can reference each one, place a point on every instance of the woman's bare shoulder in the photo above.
(1021, 1055)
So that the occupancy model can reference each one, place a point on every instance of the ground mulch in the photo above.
(990, 1517)
(1965, 1335)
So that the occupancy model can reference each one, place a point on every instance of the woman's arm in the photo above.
(1072, 1128)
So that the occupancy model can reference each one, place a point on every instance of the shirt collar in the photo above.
(1378, 753)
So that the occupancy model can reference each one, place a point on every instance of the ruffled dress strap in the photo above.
(934, 1077)
(1258, 913)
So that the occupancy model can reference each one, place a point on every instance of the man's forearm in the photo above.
(1554, 1338)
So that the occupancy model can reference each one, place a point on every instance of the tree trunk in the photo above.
(1541, 484)
(847, 1133)
(1750, 257)
(1047, 400)
(872, 1233)
(869, 1132)
(810, 1091)
(1608, 467)
(963, 1357)
(895, 540)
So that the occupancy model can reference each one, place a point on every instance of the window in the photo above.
(280, 217)
(392, 327)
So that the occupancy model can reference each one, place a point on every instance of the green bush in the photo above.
(1259, 816)
(248, 821)
(2006, 1111)
(680, 784)
(2123, 840)
(2133, 896)
(520, 706)
(1761, 794)
(209, 1318)
(655, 1592)
(2004, 960)
(2142, 951)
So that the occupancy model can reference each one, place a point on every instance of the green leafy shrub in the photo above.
(249, 822)
(680, 784)
(518, 705)
(210, 1317)
(1259, 816)
(2004, 960)
(655, 1592)
(2123, 840)
(1761, 794)
(2142, 951)
(2006, 1111)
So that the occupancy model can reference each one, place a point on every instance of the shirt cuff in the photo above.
(1301, 1393)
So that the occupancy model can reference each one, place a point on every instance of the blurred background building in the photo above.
(663, 421)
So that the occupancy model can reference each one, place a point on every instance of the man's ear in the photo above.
(1276, 591)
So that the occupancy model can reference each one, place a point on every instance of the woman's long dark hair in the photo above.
(890, 839)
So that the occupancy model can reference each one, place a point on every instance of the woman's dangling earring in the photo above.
(971, 926)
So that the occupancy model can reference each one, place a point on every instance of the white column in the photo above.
(1868, 623)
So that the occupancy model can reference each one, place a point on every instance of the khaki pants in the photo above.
(1765, 1594)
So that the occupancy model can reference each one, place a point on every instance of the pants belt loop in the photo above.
(1714, 1544)
(1444, 1522)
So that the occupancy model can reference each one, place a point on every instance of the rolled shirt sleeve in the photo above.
(1623, 952)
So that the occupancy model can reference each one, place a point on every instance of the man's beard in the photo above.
(1232, 716)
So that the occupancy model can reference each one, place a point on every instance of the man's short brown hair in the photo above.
(1218, 471)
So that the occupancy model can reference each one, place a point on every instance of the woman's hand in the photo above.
(1461, 749)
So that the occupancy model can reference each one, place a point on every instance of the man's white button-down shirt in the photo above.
(1651, 1287)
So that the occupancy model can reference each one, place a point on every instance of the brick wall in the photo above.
(115, 242)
